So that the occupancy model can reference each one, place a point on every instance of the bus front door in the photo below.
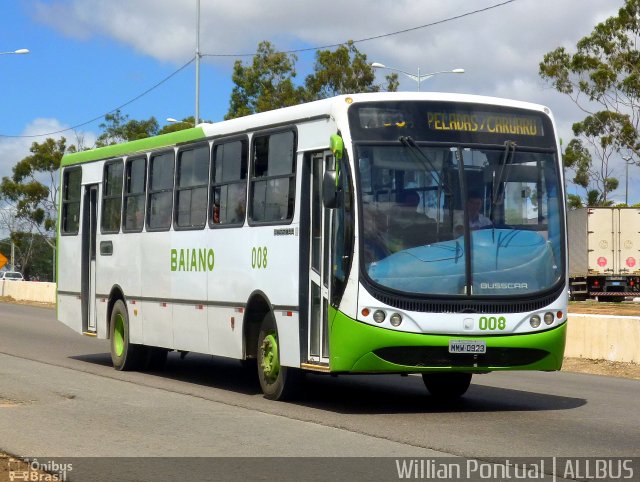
(89, 230)
(319, 266)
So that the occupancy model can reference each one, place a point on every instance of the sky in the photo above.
(89, 57)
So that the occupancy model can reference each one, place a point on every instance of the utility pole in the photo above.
(197, 116)
(626, 179)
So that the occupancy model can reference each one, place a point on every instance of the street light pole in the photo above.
(197, 116)
(420, 77)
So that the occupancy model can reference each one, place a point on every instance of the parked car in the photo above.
(11, 276)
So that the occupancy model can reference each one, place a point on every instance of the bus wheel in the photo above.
(124, 355)
(447, 386)
(156, 358)
(277, 382)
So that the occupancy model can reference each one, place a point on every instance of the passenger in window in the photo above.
(239, 212)
(216, 213)
(238, 206)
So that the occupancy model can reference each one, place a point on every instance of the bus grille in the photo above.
(439, 356)
(464, 306)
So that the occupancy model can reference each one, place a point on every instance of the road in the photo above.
(60, 397)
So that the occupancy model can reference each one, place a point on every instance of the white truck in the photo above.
(604, 253)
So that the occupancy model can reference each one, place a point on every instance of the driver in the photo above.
(477, 220)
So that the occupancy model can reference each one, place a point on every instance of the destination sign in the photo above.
(450, 122)
(485, 122)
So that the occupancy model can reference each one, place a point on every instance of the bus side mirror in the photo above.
(329, 190)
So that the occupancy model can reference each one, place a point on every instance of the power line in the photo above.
(438, 22)
(158, 84)
(308, 49)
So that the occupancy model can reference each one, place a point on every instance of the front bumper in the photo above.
(360, 348)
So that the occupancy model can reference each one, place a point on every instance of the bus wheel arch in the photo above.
(257, 308)
(115, 295)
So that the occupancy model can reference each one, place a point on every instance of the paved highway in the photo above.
(60, 397)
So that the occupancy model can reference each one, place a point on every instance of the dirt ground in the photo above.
(626, 308)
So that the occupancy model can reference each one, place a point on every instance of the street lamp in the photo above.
(626, 180)
(419, 77)
(17, 52)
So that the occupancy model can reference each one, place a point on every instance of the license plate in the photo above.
(616, 283)
(467, 346)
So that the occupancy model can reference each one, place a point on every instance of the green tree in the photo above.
(116, 129)
(265, 84)
(33, 254)
(343, 71)
(269, 81)
(596, 179)
(602, 78)
(31, 193)
(186, 123)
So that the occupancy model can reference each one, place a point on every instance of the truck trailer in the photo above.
(604, 253)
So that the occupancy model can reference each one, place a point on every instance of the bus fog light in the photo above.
(534, 321)
(379, 316)
(548, 318)
(396, 319)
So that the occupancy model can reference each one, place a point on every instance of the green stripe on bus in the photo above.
(352, 346)
(141, 145)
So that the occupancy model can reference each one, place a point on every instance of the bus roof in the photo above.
(326, 107)
(140, 145)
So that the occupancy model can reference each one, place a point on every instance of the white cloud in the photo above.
(494, 46)
(500, 49)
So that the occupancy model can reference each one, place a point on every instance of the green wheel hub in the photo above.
(269, 359)
(118, 335)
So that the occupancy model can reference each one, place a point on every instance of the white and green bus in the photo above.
(367, 233)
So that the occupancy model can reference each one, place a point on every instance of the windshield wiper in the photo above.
(505, 166)
(423, 159)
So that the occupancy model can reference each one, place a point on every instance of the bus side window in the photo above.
(112, 196)
(273, 177)
(191, 188)
(160, 200)
(229, 183)
(134, 191)
(72, 180)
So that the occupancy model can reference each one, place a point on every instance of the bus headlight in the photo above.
(379, 316)
(396, 319)
(534, 321)
(548, 318)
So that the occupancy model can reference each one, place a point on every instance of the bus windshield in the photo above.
(460, 220)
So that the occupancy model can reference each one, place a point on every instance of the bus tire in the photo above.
(124, 355)
(277, 382)
(156, 358)
(447, 386)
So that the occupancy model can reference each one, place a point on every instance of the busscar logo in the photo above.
(503, 286)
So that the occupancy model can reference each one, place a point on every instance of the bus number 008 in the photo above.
(259, 257)
(493, 323)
